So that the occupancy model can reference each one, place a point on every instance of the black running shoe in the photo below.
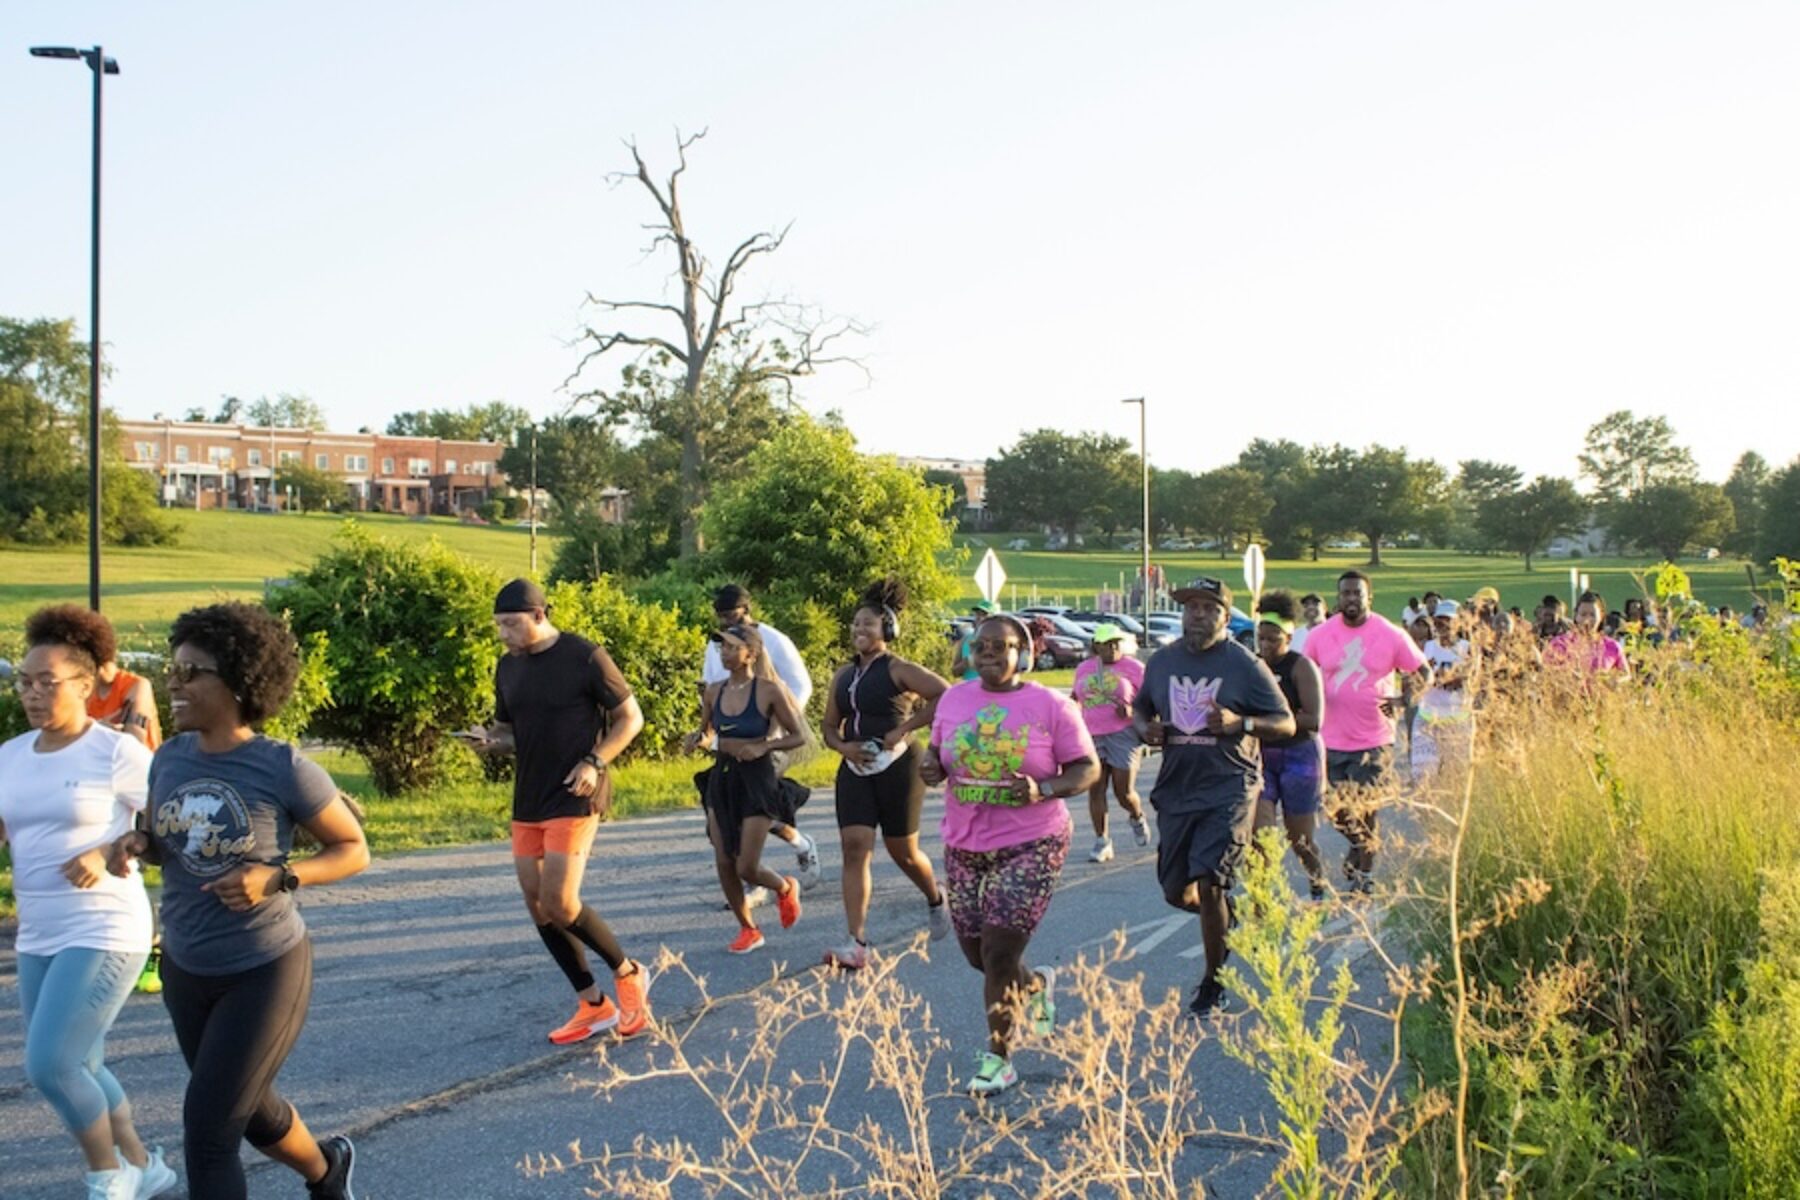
(340, 1161)
(1209, 998)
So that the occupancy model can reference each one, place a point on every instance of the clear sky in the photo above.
(1471, 229)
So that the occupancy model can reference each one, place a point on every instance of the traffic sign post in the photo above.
(1255, 571)
(990, 577)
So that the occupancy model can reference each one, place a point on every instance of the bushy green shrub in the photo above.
(408, 651)
(657, 652)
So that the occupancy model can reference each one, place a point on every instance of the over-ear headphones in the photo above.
(890, 624)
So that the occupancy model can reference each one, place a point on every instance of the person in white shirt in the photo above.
(1443, 709)
(68, 789)
(1312, 615)
(731, 606)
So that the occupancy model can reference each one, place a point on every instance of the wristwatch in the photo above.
(1249, 724)
(593, 760)
(290, 882)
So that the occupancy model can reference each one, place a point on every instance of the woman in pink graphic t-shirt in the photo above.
(1007, 752)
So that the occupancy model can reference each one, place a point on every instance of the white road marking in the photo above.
(1165, 929)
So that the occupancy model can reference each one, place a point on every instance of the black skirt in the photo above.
(733, 790)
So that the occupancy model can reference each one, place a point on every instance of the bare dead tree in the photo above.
(695, 357)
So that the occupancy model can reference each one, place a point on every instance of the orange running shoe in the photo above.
(749, 938)
(788, 903)
(588, 1020)
(634, 1001)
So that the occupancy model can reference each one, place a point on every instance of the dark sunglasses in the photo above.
(186, 673)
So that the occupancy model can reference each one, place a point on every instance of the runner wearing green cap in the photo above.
(1105, 685)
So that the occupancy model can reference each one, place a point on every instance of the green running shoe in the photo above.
(150, 980)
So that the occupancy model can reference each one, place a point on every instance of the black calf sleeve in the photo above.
(568, 956)
(598, 936)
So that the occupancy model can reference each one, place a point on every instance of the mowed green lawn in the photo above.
(1074, 578)
(224, 555)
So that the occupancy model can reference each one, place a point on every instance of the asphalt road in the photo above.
(426, 1039)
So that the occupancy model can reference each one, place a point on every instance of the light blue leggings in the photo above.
(71, 999)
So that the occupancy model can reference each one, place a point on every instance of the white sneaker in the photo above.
(1103, 851)
(1140, 829)
(806, 856)
(119, 1184)
(158, 1176)
(937, 919)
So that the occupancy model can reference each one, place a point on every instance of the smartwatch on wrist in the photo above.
(290, 882)
(593, 760)
(1249, 724)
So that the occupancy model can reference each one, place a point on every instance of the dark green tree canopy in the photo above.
(1066, 481)
(1524, 520)
(495, 421)
(1672, 517)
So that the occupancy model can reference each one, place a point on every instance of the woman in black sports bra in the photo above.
(744, 793)
(875, 703)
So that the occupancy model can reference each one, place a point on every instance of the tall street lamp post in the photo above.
(101, 66)
(1144, 541)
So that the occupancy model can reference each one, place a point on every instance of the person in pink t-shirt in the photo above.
(1007, 753)
(1357, 652)
(1584, 647)
(1105, 686)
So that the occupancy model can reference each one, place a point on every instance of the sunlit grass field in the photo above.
(224, 555)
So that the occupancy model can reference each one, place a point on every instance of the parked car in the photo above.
(1168, 623)
(1019, 544)
(1087, 618)
(1054, 650)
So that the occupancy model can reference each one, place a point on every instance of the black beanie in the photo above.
(521, 595)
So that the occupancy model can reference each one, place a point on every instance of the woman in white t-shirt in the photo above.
(67, 790)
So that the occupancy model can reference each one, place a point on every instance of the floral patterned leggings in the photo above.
(1008, 888)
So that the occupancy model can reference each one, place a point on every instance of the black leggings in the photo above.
(235, 1032)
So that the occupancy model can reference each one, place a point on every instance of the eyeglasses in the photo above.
(185, 673)
(25, 686)
(994, 645)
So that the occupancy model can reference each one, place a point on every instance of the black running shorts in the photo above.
(890, 801)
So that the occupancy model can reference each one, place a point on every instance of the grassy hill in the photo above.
(223, 554)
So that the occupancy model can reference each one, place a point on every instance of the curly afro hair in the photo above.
(85, 633)
(257, 656)
(889, 593)
(1279, 603)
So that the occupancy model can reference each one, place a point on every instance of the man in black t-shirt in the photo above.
(1206, 701)
(561, 705)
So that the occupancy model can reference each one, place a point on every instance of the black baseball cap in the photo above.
(521, 595)
(1204, 586)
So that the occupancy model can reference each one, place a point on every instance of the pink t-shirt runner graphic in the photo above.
(985, 740)
(1100, 688)
(1355, 663)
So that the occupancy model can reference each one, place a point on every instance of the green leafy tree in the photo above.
(1623, 454)
(494, 421)
(410, 649)
(1524, 521)
(313, 490)
(1170, 499)
(657, 652)
(1301, 515)
(1478, 481)
(43, 447)
(813, 522)
(1382, 493)
(1065, 481)
(1669, 518)
(287, 411)
(1746, 490)
(1778, 533)
(1229, 505)
(696, 359)
(578, 457)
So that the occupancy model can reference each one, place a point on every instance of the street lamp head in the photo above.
(55, 52)
(112, 66)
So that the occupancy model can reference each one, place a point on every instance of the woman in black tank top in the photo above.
(875, 703)
(1293, 768)
(740, 719)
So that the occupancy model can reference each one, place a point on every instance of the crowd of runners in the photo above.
(1320, 711)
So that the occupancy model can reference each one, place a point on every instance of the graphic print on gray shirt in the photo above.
(211, 813)
(1201, 770)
